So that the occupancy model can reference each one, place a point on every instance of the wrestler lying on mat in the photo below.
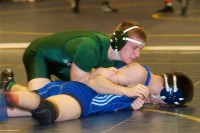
(131, 87)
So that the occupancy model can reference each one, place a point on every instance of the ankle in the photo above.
(10, 85)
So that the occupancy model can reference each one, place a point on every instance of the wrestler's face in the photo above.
(130, 51)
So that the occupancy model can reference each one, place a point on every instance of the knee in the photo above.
(46, 113)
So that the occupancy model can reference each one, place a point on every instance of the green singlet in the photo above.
(53, 55)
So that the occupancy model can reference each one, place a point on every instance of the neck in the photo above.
(156, 84)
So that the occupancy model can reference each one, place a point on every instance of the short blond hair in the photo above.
(139, 32)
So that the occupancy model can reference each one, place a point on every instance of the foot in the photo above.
(7, 77)
(166, 9)
(74, 5)
(105, 7)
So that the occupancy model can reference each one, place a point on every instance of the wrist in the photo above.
(124, 91)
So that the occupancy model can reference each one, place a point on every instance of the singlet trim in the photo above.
(148, 75)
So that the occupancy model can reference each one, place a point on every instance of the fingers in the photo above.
(113, 76)
(110, 73)
(137, 104)
(142, 91)
(114, 79)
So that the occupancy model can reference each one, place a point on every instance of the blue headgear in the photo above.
(171, 94)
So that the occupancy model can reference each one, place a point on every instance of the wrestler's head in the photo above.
(177, 90)
(128, 40)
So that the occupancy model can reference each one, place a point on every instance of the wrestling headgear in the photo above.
(171, 94)
(120, 37)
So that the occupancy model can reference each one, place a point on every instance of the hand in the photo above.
(137, 104)
(109, 73)
(138, 91)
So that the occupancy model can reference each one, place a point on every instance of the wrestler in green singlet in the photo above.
(53, 55)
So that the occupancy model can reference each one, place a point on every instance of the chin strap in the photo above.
(117, 53)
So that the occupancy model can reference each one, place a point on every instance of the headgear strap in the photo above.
(132, 40)
(131, 28)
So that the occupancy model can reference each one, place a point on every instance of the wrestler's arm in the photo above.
(104, 86)
(137, 74)
(77, 74)
(129, 75)
(132, 74)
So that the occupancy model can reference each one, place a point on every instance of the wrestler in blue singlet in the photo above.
(107, 102)
(89, 100)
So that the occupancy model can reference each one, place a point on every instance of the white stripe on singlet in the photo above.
(103, 100)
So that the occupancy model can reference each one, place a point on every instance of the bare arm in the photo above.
(76, 74)
(104, 86)
(133, 76)
(137, 104)
(105, 81)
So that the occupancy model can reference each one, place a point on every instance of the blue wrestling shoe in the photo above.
(7, 78)
(3, 108)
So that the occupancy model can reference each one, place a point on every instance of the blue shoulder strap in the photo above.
(148, 75)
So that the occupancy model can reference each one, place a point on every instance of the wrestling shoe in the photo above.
(105, 7)
(3, 108)
(7, 77)
(166, 9)
(74, 5)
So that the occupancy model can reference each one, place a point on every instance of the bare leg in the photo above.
(24, 99)
(38, 83)
(18, 112)
(7, 82)
(34, 84)
(68, 108)
(18, 87)
(11, 98)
